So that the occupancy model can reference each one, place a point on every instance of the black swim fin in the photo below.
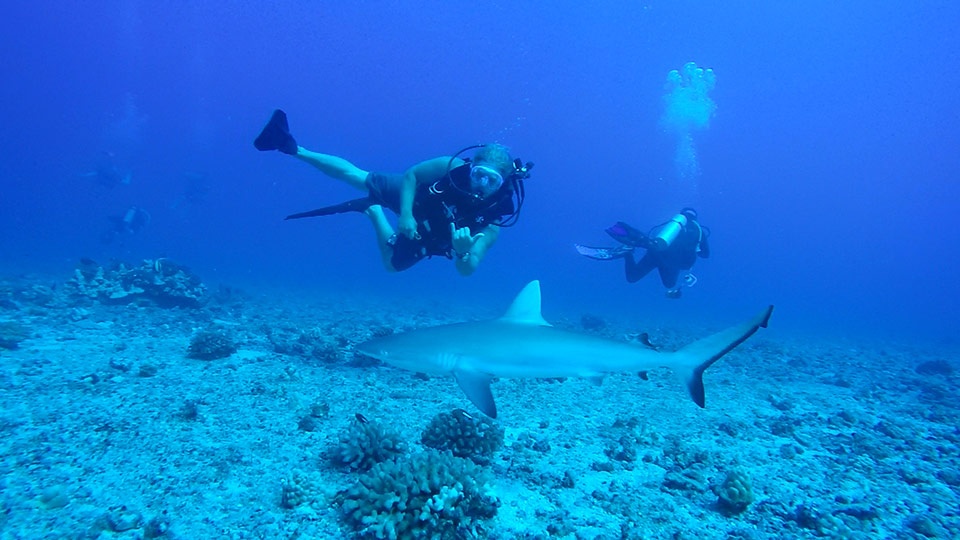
(276, 135)
(627, 235)
(355, 205)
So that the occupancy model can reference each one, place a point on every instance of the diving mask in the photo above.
(485, 180)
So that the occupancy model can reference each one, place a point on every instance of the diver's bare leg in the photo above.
(385, 233)
(335, 167)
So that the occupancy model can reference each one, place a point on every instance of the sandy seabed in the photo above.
(109, 429)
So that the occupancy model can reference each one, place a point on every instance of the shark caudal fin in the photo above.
(692, 360)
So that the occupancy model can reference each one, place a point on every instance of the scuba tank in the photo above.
(130, 216)
(668, 233)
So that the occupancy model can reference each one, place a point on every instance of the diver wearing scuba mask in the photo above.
(449, 206)
(672, 247)
(484, 180)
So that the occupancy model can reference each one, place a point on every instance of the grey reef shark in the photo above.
(521, 344)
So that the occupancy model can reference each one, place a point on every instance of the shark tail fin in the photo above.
(692, 360)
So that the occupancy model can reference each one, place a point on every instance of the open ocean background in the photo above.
(826, 162)
(828, 172)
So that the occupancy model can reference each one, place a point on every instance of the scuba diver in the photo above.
(107, 173)
(672, 247)
(449, 206)
(131, 222)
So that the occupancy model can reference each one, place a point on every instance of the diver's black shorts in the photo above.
(385, 190)
(407, 252)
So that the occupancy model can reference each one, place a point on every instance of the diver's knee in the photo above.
(359, 176)
(386, 257)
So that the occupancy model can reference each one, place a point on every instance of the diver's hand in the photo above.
(462, 241)
(407, 226)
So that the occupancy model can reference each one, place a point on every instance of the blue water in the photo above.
(818, 141)
(827, 170)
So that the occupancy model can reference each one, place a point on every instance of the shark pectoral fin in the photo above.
(477, 388)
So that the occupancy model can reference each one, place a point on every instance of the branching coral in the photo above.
(463, 435)
(364, 444)
(431, 495)
(160, 281)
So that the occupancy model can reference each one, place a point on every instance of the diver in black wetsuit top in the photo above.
(445, 206)
(671, 247)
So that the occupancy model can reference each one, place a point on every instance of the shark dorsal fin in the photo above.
(525, 308)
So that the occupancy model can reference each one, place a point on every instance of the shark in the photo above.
(521, 344)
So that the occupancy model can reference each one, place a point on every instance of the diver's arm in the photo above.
(406, 223)
(704, 244)
(467, 262)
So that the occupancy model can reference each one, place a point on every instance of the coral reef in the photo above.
(464, 435)
(631, 440)
(364, 444)
(12, 334)
(330, 342)
(299, 489)
(16, 293)
(314, 344)
(935, 367)
(735, 494)
(592, 323)
(431, 495)
(851, 521)
(211, 344)
(160, 281)
(117, 519)
(688, 481)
